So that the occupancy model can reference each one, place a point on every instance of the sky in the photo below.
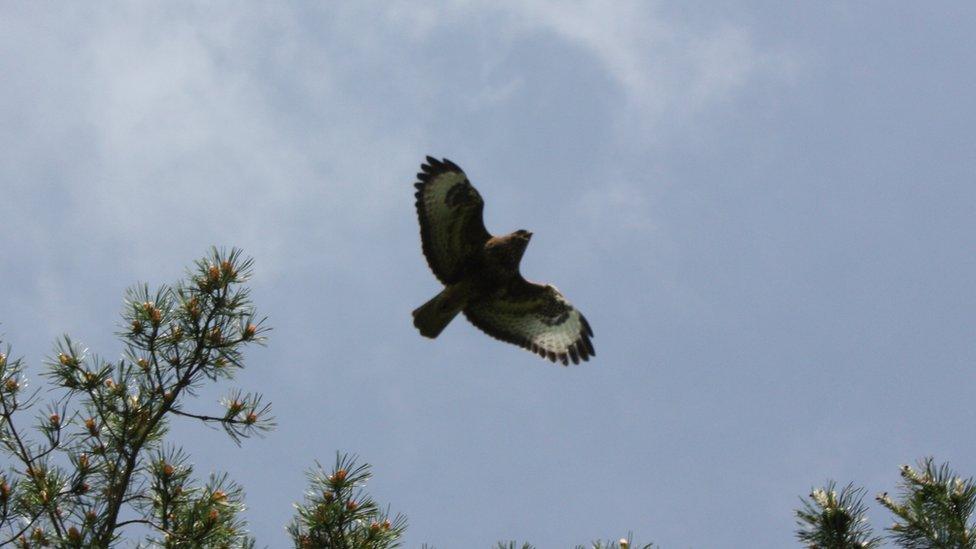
(765, 210)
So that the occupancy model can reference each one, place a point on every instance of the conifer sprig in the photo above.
(832, 520)
(337, 513)
(934, 509)
(100, 455)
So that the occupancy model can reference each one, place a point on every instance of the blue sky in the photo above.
(765, 209)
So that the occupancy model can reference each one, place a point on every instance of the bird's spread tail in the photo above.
(432, 317)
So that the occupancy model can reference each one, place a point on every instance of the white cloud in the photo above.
(147, 118)
(671, 73)
(662, 64)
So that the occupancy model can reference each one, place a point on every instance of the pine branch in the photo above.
(176, 339)
(338, 514)
(829, 520)
(934, 509)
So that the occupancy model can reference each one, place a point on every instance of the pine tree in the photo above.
(829, 520)
(934, 510)
(100, 466)
(338, 514)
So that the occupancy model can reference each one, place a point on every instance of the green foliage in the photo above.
(208, 514)
(338, 514)
(829, 520)
(100, 456)
(934, 510)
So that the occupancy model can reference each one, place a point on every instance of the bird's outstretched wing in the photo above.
(451, 226)
(537, 318)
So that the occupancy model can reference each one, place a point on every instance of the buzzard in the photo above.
(481, 274)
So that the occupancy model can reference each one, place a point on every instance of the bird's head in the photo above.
(507, 250)
(522, 234)
(519, 242)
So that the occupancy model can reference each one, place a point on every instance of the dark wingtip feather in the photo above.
(586, 326)
(581, 349)
(589, 346)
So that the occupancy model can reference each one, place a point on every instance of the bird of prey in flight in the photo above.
(481, 276)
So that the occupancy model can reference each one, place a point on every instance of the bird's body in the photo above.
(486, 274)
(481, 274)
